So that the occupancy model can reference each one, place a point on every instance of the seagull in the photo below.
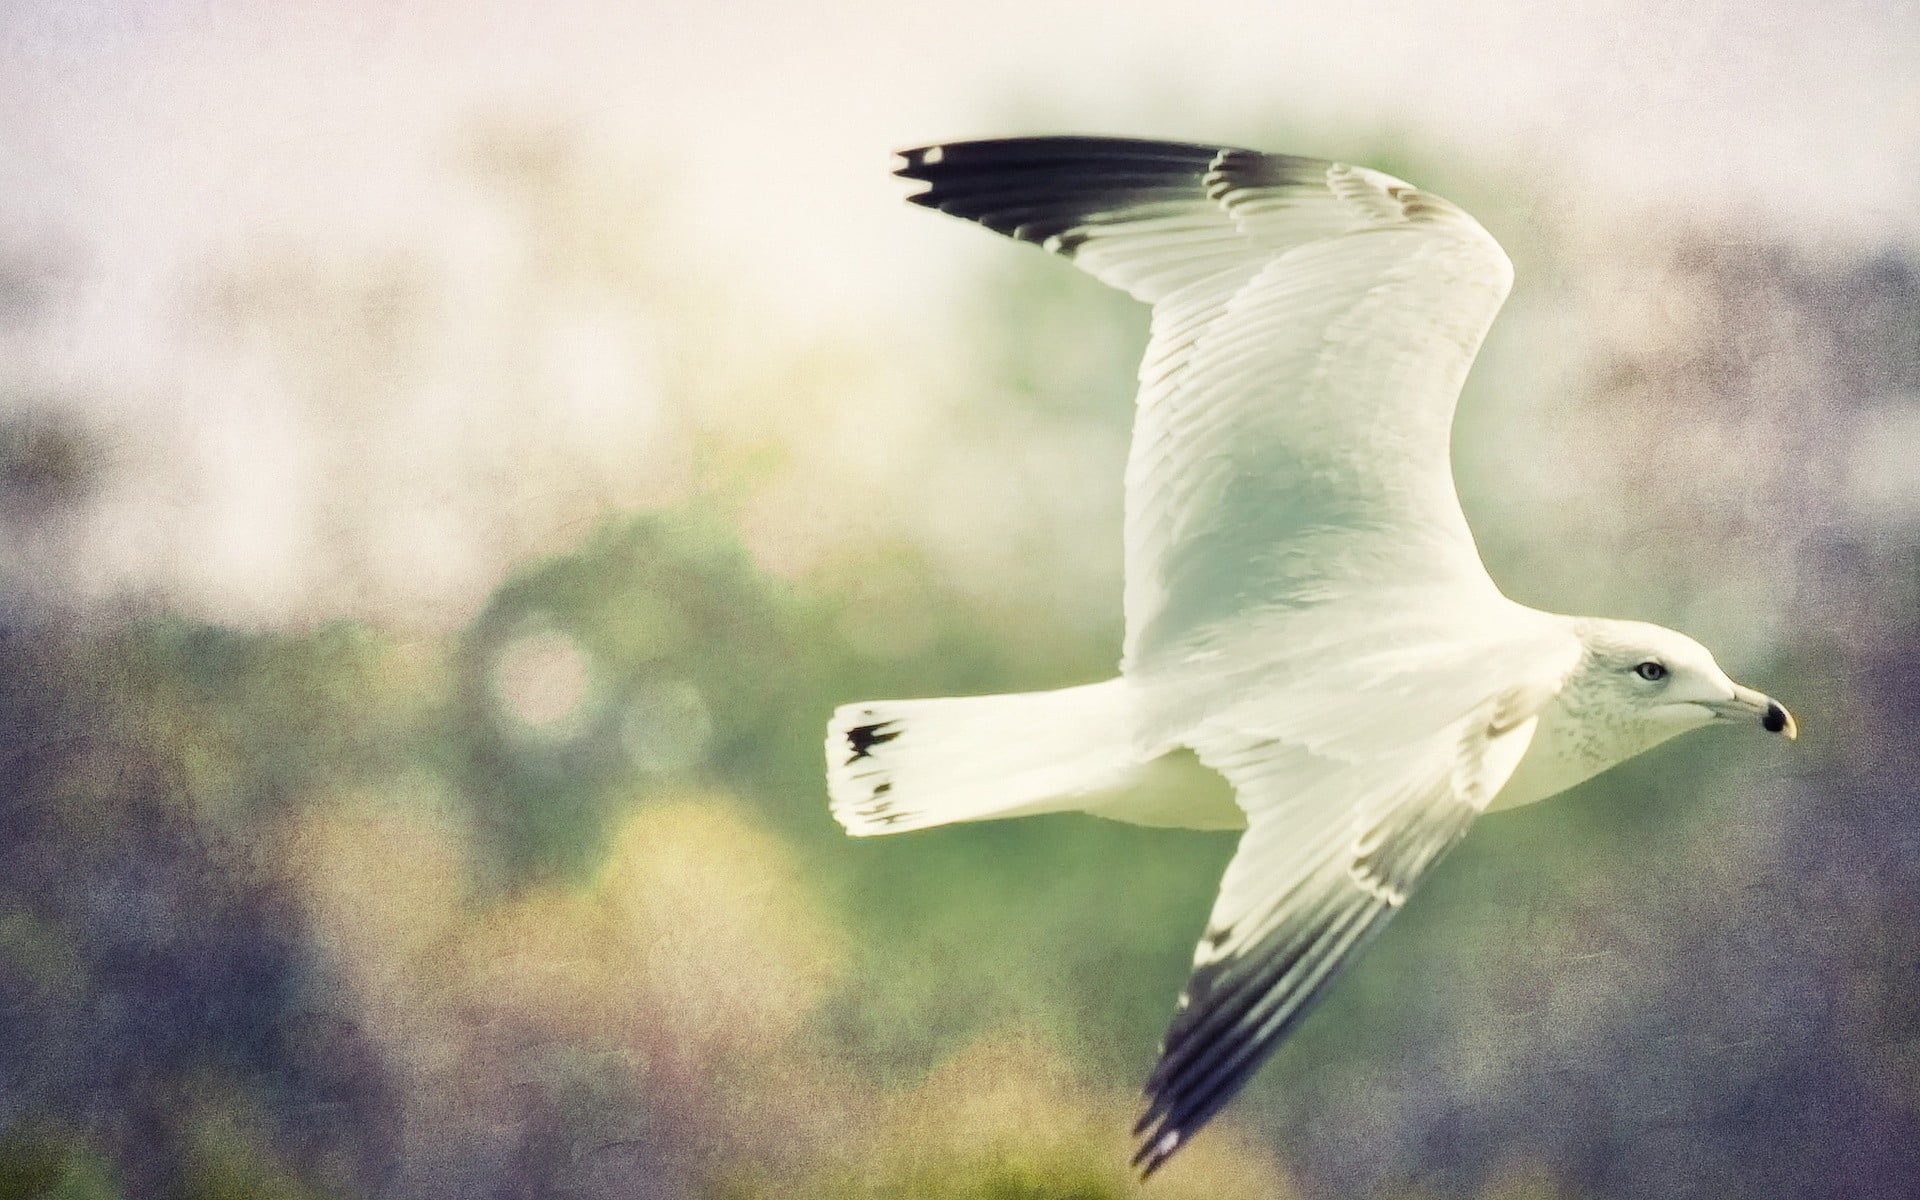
(1306, 612)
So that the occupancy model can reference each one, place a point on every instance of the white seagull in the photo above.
(1306, 612)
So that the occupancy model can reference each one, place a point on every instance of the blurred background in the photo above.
(453, 456)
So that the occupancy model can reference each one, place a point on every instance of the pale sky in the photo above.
(165, 126)
(154, 138)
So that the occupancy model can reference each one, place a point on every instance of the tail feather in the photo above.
(895, 765)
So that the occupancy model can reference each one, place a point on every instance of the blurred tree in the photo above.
(551, 904)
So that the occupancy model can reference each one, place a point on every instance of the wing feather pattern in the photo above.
(1333, 849)
(1133, 214)
(1313, 323)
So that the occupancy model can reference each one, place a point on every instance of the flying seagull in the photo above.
(1306, 612)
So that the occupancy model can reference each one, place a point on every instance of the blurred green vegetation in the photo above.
(549, 903)
(39, 1159)
(179, 792)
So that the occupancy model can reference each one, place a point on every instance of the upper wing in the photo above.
(1334, 846)
(1313, 323)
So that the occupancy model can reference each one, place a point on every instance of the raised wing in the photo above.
(1334, 846)
(1313, 323)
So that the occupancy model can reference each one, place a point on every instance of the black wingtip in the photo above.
(915, 161)
(908, 166)
(1054, 151)
(1155, 1151)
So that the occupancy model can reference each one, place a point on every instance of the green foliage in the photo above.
(44, 1161)
(225, 1160)
(983, 1178)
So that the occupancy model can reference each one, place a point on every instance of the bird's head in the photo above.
(1650, 683)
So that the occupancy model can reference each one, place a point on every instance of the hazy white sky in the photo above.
(163, 126)
(156, 138)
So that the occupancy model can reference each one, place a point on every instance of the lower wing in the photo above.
(1332, 850)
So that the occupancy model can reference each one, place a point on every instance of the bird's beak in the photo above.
(1747, 703)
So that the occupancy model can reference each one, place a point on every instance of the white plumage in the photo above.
(1306, 613)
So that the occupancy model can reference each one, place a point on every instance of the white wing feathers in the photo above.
(1333, 848)
(1313, 323)
(1293, 449)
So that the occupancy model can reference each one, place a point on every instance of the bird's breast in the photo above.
(1559, 756)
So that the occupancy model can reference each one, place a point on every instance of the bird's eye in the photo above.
(1651, 671)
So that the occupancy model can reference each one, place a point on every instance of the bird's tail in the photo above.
(895, 765)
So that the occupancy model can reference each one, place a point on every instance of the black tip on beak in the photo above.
(1745, 704)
